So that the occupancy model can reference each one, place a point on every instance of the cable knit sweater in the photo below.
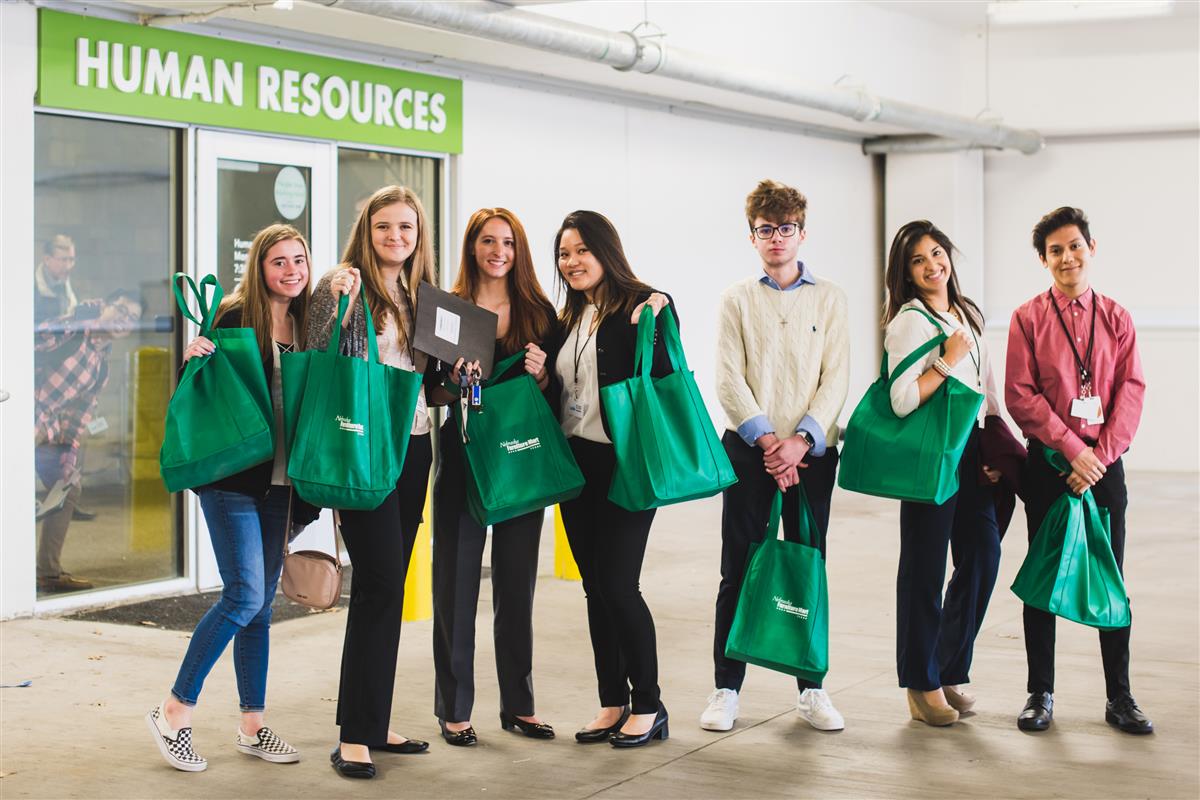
(783, 371)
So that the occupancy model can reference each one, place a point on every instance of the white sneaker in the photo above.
(266, 745)
(817, 710)
(722, 711)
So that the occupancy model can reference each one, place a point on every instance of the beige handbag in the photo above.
(312, 578)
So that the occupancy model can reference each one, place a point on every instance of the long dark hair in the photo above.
(530, 312)
(901, 289)
(619, 290)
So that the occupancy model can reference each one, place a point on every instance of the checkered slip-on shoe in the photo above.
(267, 746)
(175, 746)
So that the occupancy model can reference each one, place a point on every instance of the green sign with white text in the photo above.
(92, 64)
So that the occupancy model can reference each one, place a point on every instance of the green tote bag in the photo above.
(347, 421)
(1070, 570)
(667, 450)
(914, 457)
(220, 420)
(782, 617)
(517, 459)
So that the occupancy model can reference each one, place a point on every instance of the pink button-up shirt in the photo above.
(1042, 377)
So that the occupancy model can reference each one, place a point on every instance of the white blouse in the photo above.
(576, 366)
(908, 331)
(392, 354)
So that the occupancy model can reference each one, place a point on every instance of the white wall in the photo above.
(675, 188)
(18, 81)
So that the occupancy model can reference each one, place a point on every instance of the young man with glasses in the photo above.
(1074, 384)
(782, 372)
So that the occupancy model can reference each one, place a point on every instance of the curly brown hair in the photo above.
(775, 202)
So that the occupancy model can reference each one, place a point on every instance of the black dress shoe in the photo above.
(350, 769)
(465, 738)
(534, 730)
(1124, 713)
(1038, 712)
(592, 735)
(79, 515)
(658, 730)
(407, 747)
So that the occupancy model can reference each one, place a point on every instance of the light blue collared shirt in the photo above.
(755, 427)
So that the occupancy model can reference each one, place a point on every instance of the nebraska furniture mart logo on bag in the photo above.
(787, 607)
(515, 446)
(345, 424)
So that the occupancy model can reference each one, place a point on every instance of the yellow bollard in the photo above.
(418, 584)
(564, 563)
(150, 527)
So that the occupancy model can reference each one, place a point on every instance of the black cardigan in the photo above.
(616, 347)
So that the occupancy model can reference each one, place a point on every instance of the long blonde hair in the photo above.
(360, 253)
(251, 294)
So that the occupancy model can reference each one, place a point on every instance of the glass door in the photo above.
(243, 184)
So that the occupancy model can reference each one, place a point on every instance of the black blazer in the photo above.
(616, 347)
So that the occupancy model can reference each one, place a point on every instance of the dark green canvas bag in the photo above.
(1070, 570)
(347, 421)
(667, 450)
(220, 420)
(517, 459)
(914, 457)
(782, 617)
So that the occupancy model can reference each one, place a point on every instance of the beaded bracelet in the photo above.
(942, 367)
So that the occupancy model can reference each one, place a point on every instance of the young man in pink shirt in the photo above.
(1074, 384)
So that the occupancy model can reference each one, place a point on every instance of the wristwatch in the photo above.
(808, 437)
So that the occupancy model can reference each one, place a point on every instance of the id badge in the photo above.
(1087, 409)
(577, 409)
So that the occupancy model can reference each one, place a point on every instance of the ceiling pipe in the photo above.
(916, 143)
(625, 51)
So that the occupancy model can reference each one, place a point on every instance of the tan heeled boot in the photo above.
(960, 701)
(923, 711)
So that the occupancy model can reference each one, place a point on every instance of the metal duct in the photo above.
(626, 51)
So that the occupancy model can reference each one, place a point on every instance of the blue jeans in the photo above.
(247, 538)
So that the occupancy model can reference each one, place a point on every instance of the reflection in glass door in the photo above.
(243, 184)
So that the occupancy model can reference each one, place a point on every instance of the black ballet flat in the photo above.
(593, 735)
(350, 769)
(657, 731)
(408, 747)
(465, 738)
(534, 730)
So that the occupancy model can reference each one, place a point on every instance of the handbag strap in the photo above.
(287, 532)
(208, 299)
(335, 340)
(915, 355)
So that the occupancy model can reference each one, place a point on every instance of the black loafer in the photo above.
(1038, 712)
(658, 730)
(466, 738)
(407, 747)
(1123, 713)
(593, 735)
(534, 730)
(350, 769)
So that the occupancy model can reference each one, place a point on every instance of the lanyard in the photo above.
(579, 351)
(1084, 364)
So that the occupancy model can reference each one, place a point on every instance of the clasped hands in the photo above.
(1086, 471)
(783, 458)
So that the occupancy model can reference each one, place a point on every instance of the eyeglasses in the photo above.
(785, 230)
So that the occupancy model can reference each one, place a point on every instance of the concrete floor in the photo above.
(77, 731)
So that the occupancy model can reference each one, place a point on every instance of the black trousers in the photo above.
(458, 543)
(1043, 485)
(608, 544)
(935, 639)
(745, 511)
(380, 543)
